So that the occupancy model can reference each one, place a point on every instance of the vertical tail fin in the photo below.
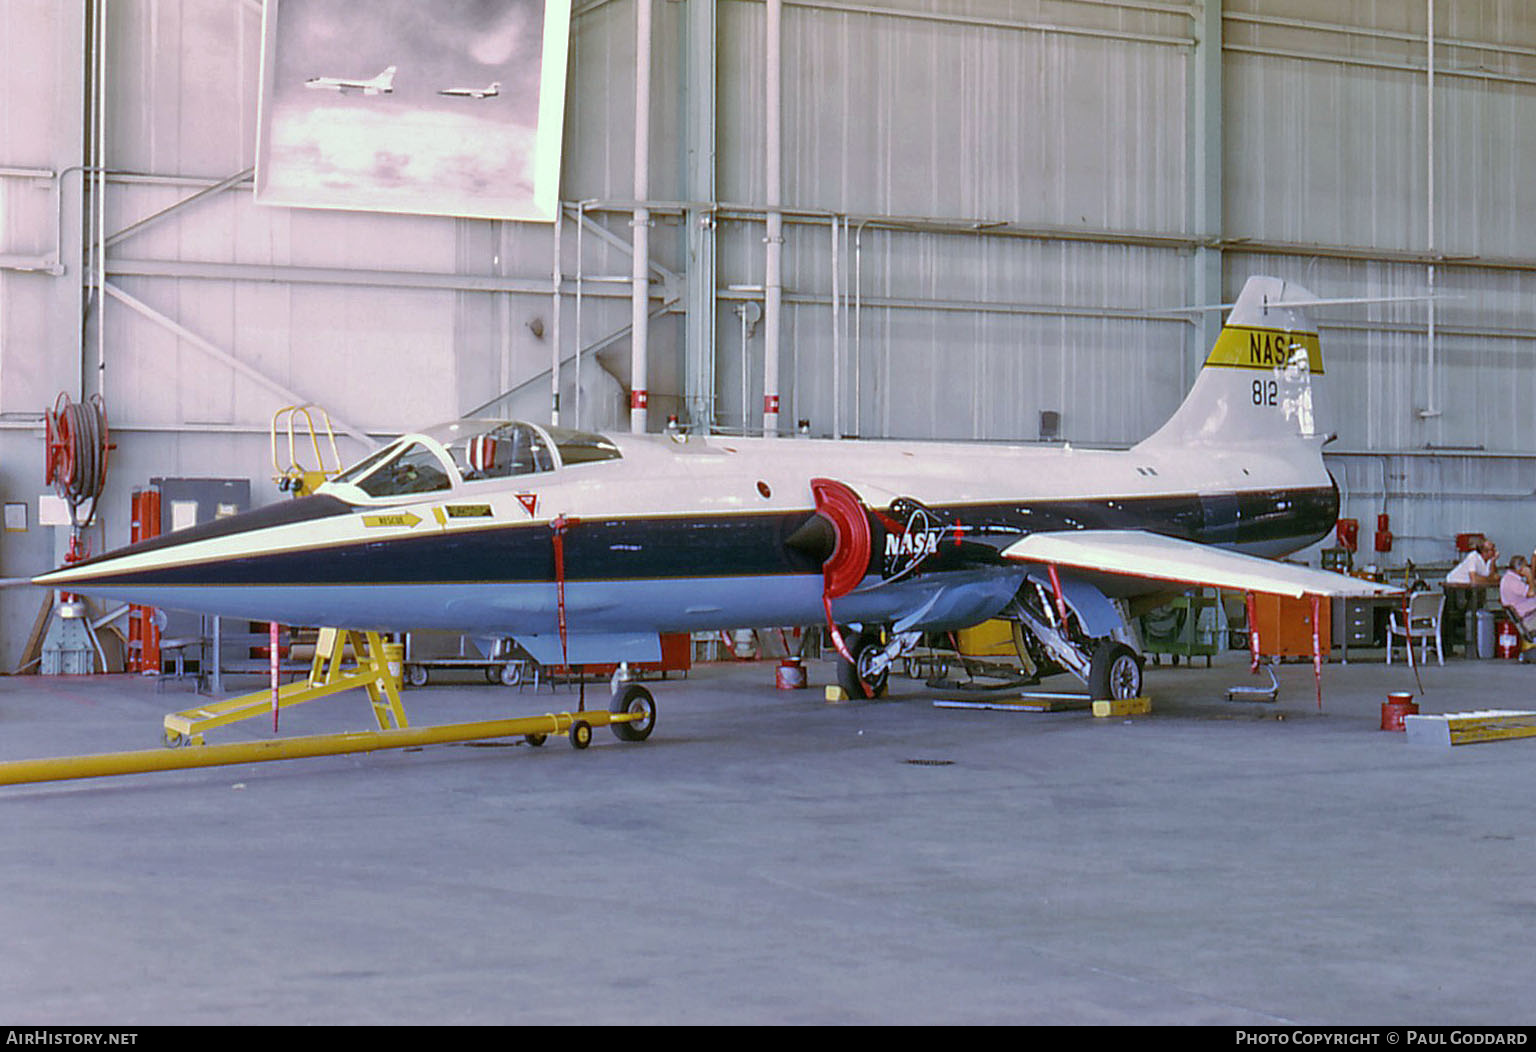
(1258, 383)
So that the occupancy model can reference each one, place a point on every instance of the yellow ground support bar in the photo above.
(63, 768)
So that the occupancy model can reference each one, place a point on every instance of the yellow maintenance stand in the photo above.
(329, 673)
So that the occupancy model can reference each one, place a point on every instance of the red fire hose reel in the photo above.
(75, 454)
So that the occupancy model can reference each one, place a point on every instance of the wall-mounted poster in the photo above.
(453, 107)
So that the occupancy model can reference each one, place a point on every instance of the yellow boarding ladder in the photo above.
(294, 476)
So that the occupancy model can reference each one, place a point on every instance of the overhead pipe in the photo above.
(641, 257)
(773, 279)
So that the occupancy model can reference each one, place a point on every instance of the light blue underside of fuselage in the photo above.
(948, 600)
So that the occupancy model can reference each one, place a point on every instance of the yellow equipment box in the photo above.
(988, 639)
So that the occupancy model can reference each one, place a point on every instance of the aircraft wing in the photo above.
(1132, 553)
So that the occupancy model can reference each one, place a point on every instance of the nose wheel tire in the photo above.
(858, 680)
(633, 700)
(1116, 673)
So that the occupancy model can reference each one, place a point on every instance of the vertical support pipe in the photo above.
(1433, 408)
(1205, 158)
(101, 199)
(581, 279)
(858, 332)
(837, 306)
(554, 321)
(273, 670)
(640, 275)
(773, 282)
(699, 140)
(89, 191)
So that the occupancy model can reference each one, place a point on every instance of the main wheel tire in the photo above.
(856, 679)
(1115, 674)
(632, 699)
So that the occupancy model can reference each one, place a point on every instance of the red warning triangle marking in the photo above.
(529, 501)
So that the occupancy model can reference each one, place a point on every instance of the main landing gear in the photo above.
(1110, 668)
(1053, 631)
(1115, 672)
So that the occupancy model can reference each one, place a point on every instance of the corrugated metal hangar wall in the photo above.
(989, 207)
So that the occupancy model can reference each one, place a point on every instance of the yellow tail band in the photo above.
(1242, 347)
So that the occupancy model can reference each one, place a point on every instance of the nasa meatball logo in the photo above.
(907, 547)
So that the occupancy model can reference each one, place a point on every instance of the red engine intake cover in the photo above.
(849, 561)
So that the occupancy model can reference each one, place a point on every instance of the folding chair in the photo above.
(1424, 612)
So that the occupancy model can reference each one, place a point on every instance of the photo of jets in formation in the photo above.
(384, 84)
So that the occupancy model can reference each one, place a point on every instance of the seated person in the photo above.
(1478, 569)
(1518, 593)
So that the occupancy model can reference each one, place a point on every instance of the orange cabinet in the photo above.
(1285, 625)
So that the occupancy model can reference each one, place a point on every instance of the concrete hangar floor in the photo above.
(767, 857)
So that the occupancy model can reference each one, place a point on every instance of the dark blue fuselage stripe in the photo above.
(744, 545)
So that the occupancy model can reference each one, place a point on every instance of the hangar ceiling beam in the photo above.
(991, 22)
(277, 273)
(590, 349)
(249, 372)
(583, 210)
(155, 217)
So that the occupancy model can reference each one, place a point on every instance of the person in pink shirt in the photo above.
(1517, 591)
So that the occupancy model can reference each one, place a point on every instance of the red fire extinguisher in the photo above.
(1509, 640)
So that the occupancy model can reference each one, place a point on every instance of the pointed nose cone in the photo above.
(196, 568)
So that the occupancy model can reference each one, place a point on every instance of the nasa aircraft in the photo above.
(584, 547)
(490, 91)
(383, 84)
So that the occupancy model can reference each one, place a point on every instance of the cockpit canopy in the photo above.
(472, 451)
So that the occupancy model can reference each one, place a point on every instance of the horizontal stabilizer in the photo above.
(1132, 553)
